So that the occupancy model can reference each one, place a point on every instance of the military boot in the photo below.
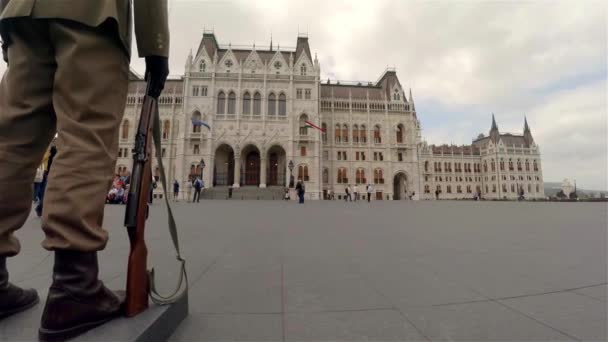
(77, 300)
(13, 299)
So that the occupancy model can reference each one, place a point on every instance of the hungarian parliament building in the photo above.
(271, 119)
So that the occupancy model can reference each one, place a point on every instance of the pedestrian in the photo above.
(300, 191)
(38, 182)
(355, 192)
(347, 193)
(175, 190)
(286, 197)
(189, 192)
(197, 190)
(437, 194)
(350, 193)
(45, 177)
(369, 192)
(68, 72)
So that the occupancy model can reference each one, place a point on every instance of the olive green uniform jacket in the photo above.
(151, 22)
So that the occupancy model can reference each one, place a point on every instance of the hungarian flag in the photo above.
(200, 123)
(310, 124)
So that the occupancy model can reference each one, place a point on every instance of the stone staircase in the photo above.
(244, 193)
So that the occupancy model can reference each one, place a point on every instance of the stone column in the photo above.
(237, 170)
(263, 167)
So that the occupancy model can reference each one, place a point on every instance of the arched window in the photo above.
(282, 105)
(231, 103)
(196, 117)
(345, 133)
(303, 173)
(518, 165)
(360, 176)
(324, 132)
(378, 176)
(493, 165)
(221, 103)
(166, 126)
(363, 134)
(202, 66)
(535, 166)
(338, 133)
(246, 103)
(303, 70)
(485, 166)
(303, 125)
(502, 164)
(325, 176)
(196, 149)
(377, 136)
(527, 165)
(257, 104)
(342, 177)
(125, 130)
(272, 105)
(511, 164)
(399, 133)
(426, 166)
(192, 172)
(355, 133)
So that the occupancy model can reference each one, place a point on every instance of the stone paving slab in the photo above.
(329, 270)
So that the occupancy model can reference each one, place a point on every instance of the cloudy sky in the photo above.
(463, 60)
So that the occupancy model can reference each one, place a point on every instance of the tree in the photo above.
(561, 194)
(573, 195)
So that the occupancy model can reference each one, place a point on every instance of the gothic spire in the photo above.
(527, 133)
(270, 41)
(494, 134)
(411, 101)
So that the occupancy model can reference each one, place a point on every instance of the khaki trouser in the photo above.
(72, 79)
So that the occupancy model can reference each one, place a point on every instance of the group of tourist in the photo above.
(120, 188)
(351, 193)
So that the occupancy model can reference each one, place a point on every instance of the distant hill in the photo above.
(552, 188)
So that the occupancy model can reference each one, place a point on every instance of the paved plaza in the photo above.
(385, 271)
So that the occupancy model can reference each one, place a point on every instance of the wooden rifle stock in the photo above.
(138, 286)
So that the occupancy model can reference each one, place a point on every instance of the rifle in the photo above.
(140, 281)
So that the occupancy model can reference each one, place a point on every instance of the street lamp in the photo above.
(290, 166)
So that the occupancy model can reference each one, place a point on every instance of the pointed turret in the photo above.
(411, 101)
(527, 133)
(270, 41)
(494, 134)
(189, 61)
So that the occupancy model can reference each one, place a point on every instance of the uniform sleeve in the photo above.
(151, 27)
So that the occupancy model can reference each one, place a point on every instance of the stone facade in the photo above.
(259, 104)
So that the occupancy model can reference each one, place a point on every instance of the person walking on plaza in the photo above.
(68, 72)
(300, 191)
(175, 190)
(355, 192)
(197, 190)
(369, 192)
(347, 193)
(38, 182)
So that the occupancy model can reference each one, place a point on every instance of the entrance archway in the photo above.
(400, 191)
(223, 168)
(276, 166)
(251, 166)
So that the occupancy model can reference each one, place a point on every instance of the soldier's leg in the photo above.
(27, 125)
(89, 98)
